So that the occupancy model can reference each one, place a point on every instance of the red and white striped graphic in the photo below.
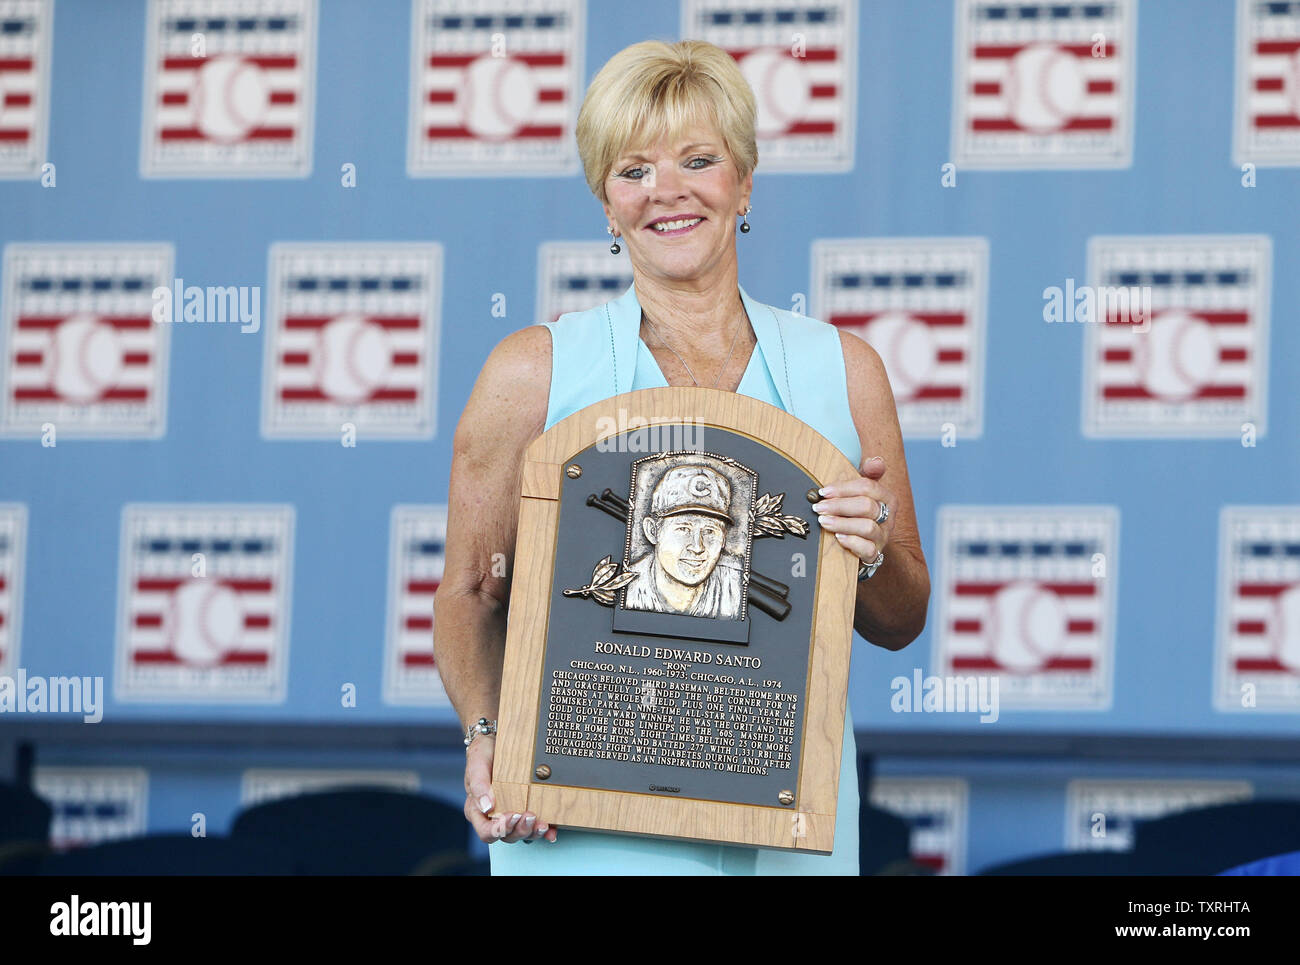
(91, 805)
(1039, 85)
(573, 276)
(229, 88)
(920, 303)
(204, 602)
(352, 336)
(262, 784)
(936, 811)
(1199, 368)
(495, 88)
(417, 554)
(81, 348)
(26, 28)
(1268, 83)
(1103, 815)
(1258, 656)
(800, 59)
(1027, 594)
(13, 531)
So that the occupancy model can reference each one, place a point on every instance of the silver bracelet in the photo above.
(481, 726)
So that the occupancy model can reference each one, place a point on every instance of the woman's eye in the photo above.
(706, 162)
(633, 174)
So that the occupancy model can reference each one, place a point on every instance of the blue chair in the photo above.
(362, 832)
(1077, 864)
(884, 841)
(1278, 865)
(1207, 840)
(171, 854)
(24, 830)
(23, 815)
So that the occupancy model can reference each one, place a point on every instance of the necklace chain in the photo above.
(734, 338)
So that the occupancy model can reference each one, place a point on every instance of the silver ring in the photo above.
(867, 570)
(884, 514)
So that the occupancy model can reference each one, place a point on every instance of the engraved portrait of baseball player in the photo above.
(688, 569)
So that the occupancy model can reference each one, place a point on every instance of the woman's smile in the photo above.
(675, 225)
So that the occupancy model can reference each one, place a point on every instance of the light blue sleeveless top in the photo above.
(797, 366)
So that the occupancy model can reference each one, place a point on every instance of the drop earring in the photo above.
(614, 249)
(744, 225)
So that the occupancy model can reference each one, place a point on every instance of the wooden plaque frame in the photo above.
(807, 826)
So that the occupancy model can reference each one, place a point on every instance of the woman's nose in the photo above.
(666, 182)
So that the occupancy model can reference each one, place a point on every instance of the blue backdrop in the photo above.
(921, 132)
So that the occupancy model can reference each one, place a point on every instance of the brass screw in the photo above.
(544, 771)
(574, 471)
(786, 797)
(813, 496)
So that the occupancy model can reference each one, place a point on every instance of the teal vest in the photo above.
(798, 365)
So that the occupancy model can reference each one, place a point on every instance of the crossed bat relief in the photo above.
(767, 520)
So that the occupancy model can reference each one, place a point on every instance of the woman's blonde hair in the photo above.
(654, 89)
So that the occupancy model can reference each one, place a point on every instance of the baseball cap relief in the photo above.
(692, 489)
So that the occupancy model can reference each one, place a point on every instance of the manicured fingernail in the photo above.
(485, 803)
(825, 490)
(528, 824)
(841, 537)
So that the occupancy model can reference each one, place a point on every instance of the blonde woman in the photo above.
(666, 136)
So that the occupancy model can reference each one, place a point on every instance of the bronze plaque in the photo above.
(669, 665)
(681, 600)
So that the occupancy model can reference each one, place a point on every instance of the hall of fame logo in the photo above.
(1199, 368)
(203, 603)
(495, 87)
(935, 811)
(920, 303)
(573, 277)
(13, 529)
(1040, 85)
(1257, 652)
(1103, 815)
(81, 349)
(417, 553)
(26, 28)
(800, 58)
(229, 88)
(262, 784)
(92, 805)
(352, 339)
(1267, 130)
(1028, 593)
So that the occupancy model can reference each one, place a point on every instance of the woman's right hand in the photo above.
(479, 801)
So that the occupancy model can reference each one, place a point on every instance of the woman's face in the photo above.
(694, 182)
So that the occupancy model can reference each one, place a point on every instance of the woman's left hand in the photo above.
(850, 509)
